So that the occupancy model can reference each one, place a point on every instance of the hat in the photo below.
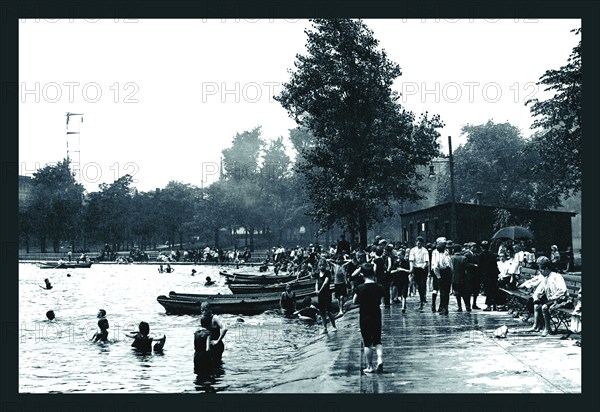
(420, 239)
(389, 247)
(484, 243)
(377, 237)
(440, 239)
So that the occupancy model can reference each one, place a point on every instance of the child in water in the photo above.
(143, 342)
(102, 334)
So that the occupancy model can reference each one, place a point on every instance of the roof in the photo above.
(472, 205)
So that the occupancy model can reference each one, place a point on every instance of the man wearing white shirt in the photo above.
(548, 291)
(435, 256)
(419, 267)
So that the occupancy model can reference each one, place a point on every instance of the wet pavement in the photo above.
(425, 352)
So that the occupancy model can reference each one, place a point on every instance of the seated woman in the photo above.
(143, 342)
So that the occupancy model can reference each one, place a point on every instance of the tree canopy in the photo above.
(366, 146)
(56, 204)
(559, 120)
(496, 161)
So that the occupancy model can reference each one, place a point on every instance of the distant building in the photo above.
(475, 223)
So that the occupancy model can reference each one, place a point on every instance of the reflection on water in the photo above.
(58, 356)
(210, 381)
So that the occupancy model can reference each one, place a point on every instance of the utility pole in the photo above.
(75, 145)
(452, 192)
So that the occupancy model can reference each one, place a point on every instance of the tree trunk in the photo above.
(56, 245)
(217, 238)
(362, 228)
(352, 231)
(251, 239)
(43, 244)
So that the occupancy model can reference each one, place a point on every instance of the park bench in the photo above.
(516, 299)
(560, 315)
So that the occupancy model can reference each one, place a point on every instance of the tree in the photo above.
(496, 162)
(241, 159)
(366, 146)
(108, 212)
(176, 208)
(559, 118)
(56, 201)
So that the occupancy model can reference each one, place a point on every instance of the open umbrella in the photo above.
(514, 233)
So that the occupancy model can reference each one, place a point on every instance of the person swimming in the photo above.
(48, 284)
(209, 281)
(50, 315)
(143, 342)
(102, 334)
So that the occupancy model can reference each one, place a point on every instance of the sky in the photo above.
(161, 99)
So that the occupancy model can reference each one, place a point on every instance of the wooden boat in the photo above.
(246, 304)
(245, 288)
(258, 278)
(64, 265)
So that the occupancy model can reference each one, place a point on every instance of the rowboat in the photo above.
(257, 278)
(243, 288)
(64, 265)
(246, 304)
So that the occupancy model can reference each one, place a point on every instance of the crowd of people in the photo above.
(384, 273)
(376, 277)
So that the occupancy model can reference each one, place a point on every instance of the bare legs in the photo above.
(541, 319)
(369, 358)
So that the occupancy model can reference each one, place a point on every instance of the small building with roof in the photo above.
(475, 222)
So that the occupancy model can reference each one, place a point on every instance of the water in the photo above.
(58, 357)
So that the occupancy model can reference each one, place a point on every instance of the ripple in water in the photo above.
(58, 357)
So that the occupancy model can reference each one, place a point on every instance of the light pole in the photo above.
(450, 160)
(452, 192)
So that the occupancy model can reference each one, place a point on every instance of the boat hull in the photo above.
(242, 288)
(247, 304)
(65, 265)
(245, 278)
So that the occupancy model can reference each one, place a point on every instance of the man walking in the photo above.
(419, 267)
(368, 297)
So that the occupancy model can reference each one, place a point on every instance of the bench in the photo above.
(516, 299)
(560, 315)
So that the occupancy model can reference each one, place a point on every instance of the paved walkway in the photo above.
(425, 352)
